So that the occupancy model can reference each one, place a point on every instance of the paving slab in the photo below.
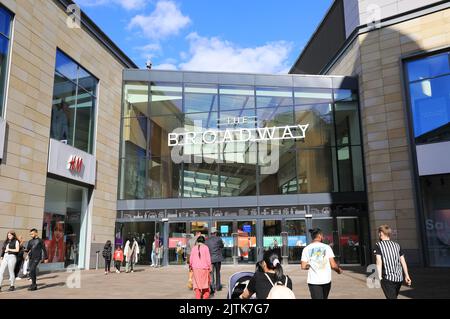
(170, 283)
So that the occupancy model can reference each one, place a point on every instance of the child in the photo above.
(118, 258)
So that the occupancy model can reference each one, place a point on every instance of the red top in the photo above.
(118, 255)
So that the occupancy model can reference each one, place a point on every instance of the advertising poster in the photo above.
(272, 241)
(296, 241)
(175, 242)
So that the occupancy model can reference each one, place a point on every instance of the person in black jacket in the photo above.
(107, 254)
(36, 252)
(215, 245)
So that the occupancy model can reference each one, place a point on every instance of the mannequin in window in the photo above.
(60, 121)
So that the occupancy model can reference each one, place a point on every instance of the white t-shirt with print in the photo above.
(318, 255)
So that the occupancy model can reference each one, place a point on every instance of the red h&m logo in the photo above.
(75, 164)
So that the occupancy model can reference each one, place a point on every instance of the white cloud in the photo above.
(164, 21)
(149, 51)
(214, 54)
(127, 4)
(152, 47)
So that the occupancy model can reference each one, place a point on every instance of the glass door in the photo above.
(246, 241)
(225, 231)
(349, 241)
(178, 238)
(296, 230)
(272, 235)
(326, 225)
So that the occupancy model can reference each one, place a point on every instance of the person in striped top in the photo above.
(391, 263)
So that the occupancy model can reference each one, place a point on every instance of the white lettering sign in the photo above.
(288, 132)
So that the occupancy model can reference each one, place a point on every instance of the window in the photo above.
(74, 100)
(429, 87)
(5, 37)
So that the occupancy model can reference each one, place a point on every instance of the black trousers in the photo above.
(19, 264)
(117, 263)
(33, 264)
(215, 277)
(391, 289)
(319, 291)
(107, 265)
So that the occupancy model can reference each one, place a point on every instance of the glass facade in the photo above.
(6, 19)
(191, 138)
(74, 103)
(436, 203)
(245, 229)
(428, 81)
(328, 159)
(429, 85)
(64, 226)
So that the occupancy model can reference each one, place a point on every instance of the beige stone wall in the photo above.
(40, 28)
(375, 58)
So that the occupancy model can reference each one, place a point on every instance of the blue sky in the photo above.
(260, 36)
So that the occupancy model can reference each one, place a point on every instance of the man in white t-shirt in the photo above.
(318, 259)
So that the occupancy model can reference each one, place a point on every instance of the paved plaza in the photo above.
(170, 283)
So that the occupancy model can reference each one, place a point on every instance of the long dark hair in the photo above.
(200, 240)
(270, 256)
(13, 234)
(108, 244)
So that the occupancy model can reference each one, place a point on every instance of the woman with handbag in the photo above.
(200, 263)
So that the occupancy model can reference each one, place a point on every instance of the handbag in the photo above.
(190, 285)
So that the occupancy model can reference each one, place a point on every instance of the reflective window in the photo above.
(436, 204)
(236, 98)
(5, 36)
(167, 98)
(313, 96)
(74, 103)
(328, 159)
(429, 67)
(200, 98)
(429, 84)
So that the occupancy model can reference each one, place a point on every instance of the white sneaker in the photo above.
(18, 278)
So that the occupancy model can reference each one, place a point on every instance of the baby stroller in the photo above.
(237, 283)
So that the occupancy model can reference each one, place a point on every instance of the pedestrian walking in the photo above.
(36, 253)
(190, 244)
(318, 259)
(160, 253)
(20, 258)
(200, 263)
(8, 258)
(131, 253)
(155, 251)
(107, 255)
(118, 258)
(391, 264)
(263, 282)
(215, 245)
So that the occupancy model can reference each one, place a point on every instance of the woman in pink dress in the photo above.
(200, 263)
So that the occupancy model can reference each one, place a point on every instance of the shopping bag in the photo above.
(25, 267)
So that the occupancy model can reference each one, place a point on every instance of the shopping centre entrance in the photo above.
(248, 232)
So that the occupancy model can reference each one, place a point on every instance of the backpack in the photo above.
(280, 291)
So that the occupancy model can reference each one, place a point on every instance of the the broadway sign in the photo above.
(211, 136)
